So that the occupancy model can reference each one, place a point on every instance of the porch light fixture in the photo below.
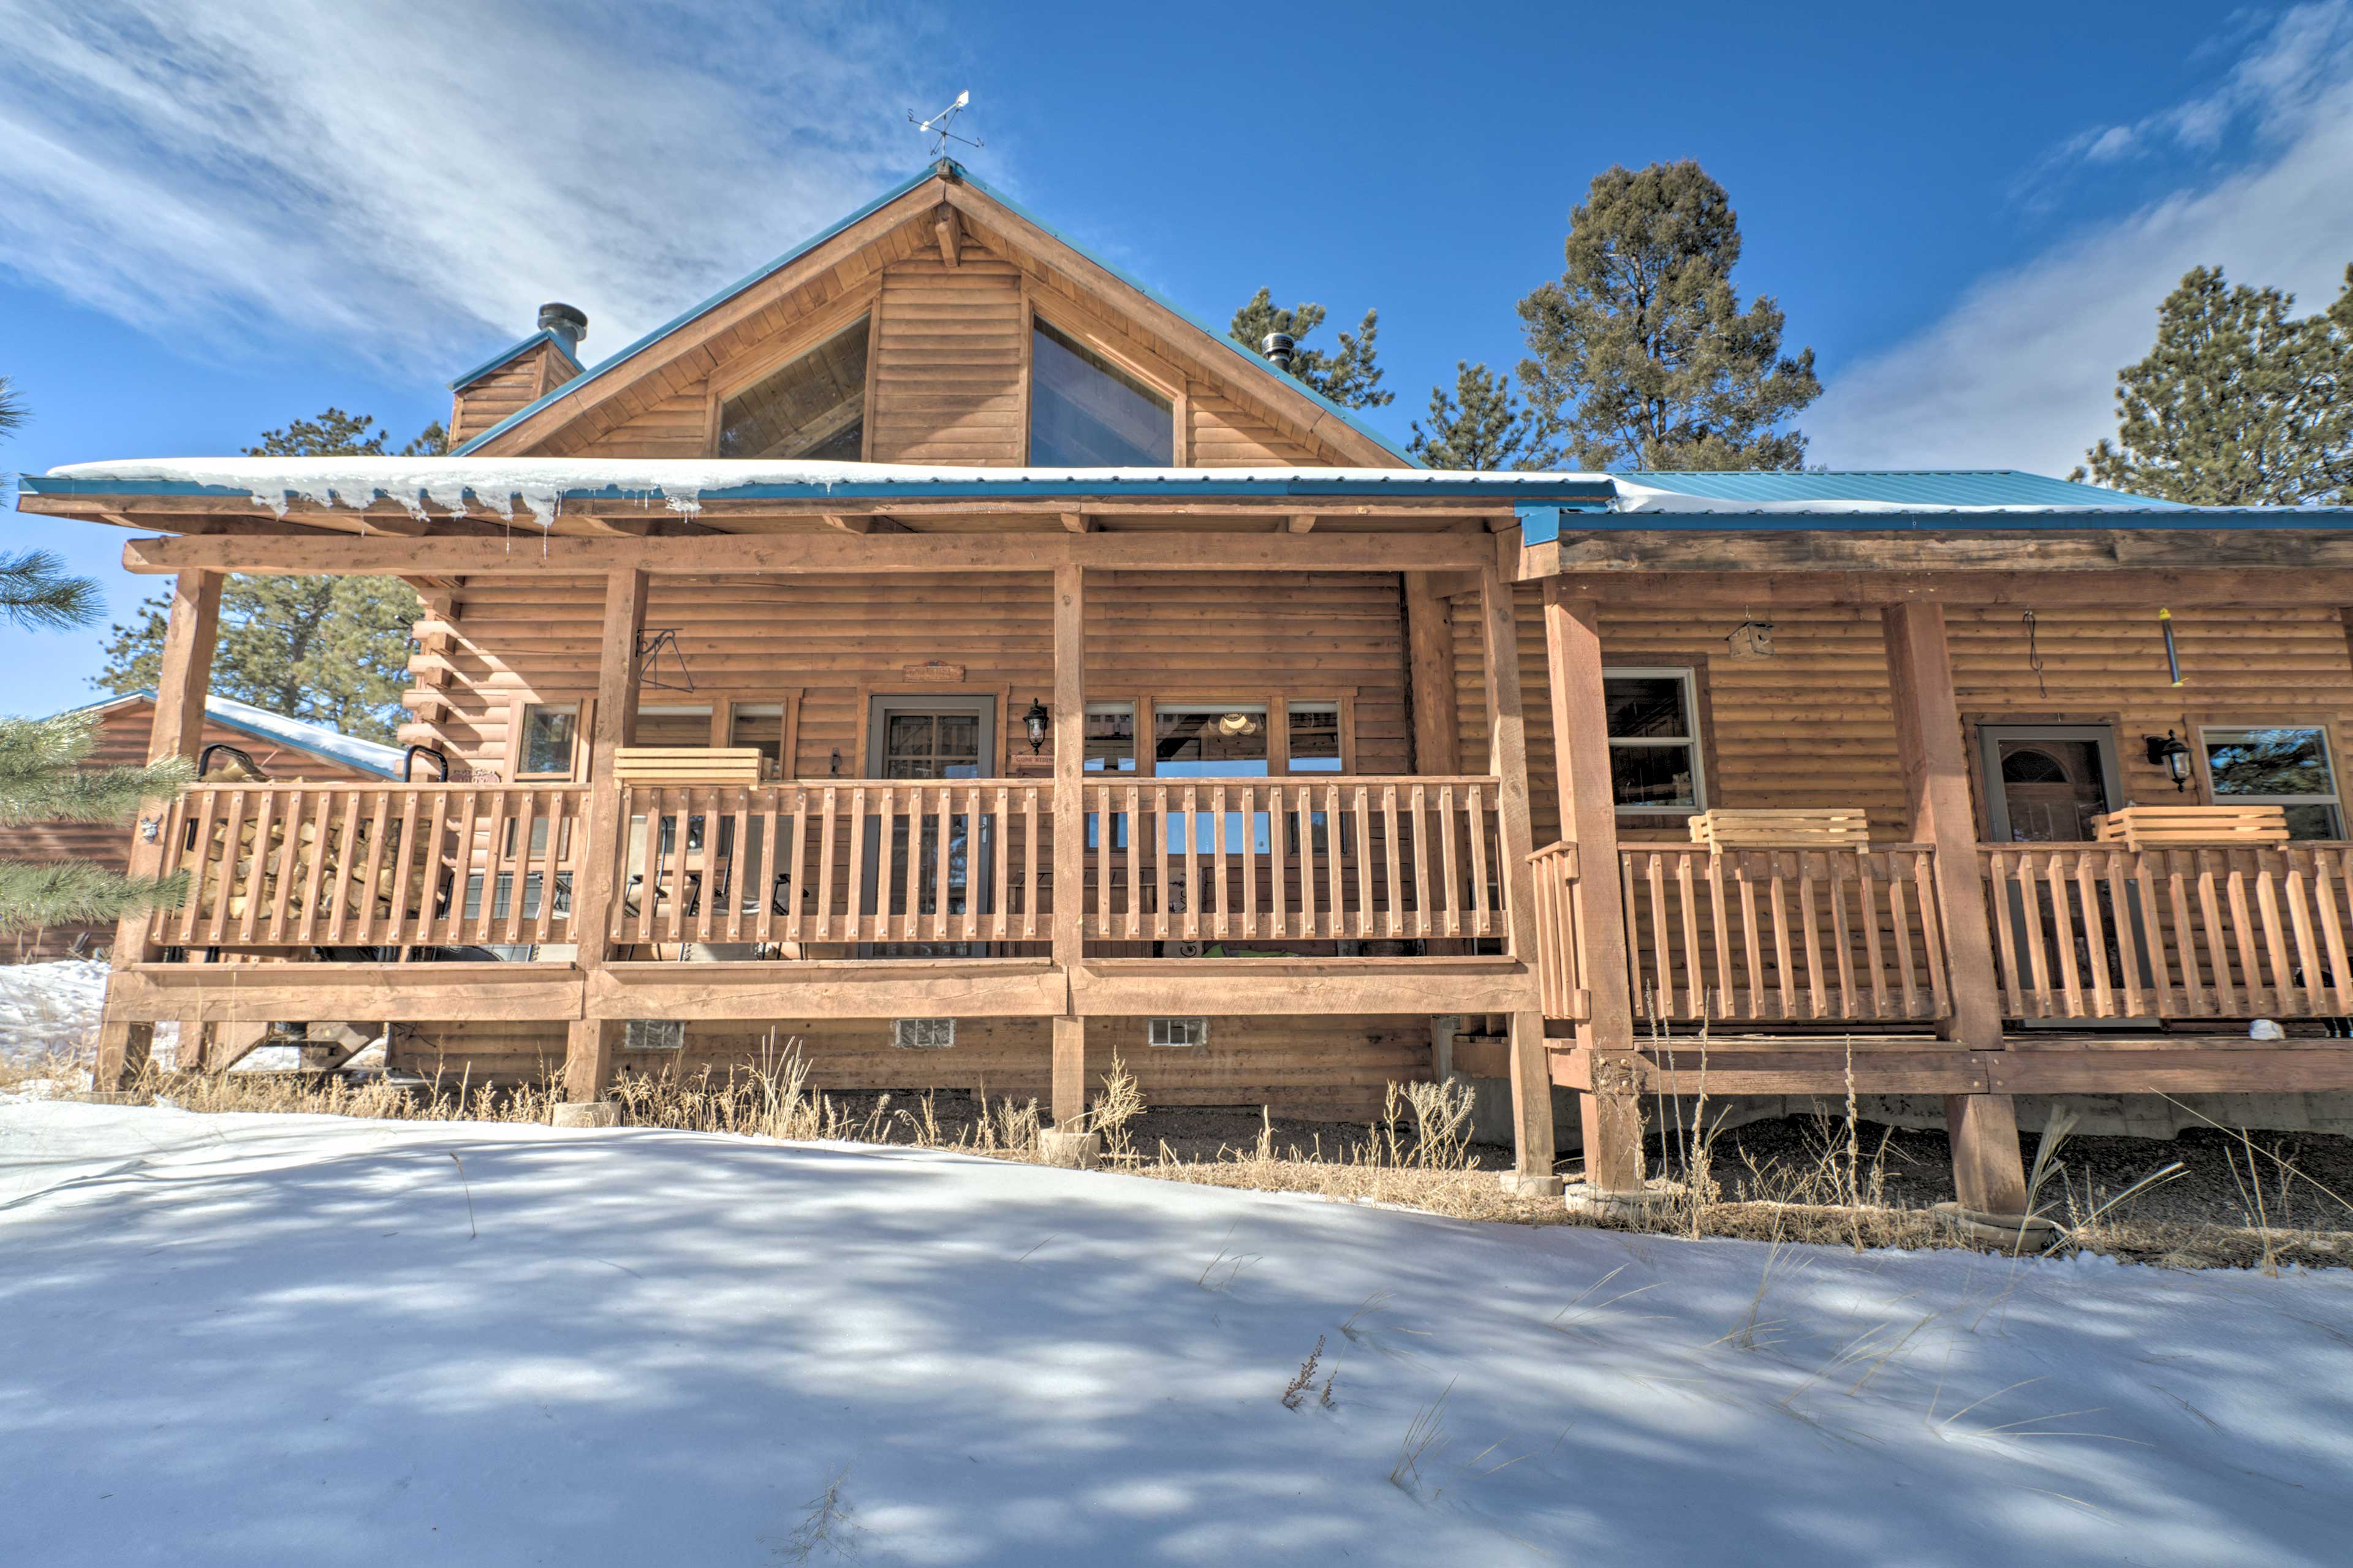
(1239, 724)
(1035, 722)
(2168, 753)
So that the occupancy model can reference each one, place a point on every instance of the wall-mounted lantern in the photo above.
(2168, 753)
(1035, 722)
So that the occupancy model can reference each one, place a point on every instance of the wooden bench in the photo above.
(664, 766)
(2206, 827)
(1815, 830)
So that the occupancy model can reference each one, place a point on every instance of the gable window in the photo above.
(550, 743)
(814, 408)
(1654, 752)
(1086, 413)
(2287, 766)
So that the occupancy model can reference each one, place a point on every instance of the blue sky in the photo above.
(224, 217)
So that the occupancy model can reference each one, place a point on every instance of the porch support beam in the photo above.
(814, 551)
(1610, 1109)
(589, 1043)
(1507, 759)
(1429, 646)
(189, 637)
(1070, 730)
(1987, 1172)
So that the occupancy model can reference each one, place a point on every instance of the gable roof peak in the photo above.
(1360, 441)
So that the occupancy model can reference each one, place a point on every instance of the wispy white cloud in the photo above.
(417, 176)
(2020, 373)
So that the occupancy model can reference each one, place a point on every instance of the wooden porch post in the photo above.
(589, 1042)
(1070, 731)
(1987, 1172)
(1613, 1117)
(180, 687)
(1507, 759)
(1430, 649)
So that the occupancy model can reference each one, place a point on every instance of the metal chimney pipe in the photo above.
(566, 323)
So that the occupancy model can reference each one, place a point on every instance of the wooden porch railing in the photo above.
(295, 865)
(953, 861)
(1752, 935)
(2097, 930)
(1556, 868)
(1293, 859)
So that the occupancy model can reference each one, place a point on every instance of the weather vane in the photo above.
(936, 127)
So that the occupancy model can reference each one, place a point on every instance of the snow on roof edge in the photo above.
(262, 723)
(543, 486)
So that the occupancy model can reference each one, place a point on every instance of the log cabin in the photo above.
(937, 649)
(250, 741)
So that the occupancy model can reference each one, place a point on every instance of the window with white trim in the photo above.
(1177, 1034)
(922, 1033)
(2287, 765)
(550, 741)
(1654, 745)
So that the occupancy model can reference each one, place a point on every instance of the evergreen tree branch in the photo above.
(80, 893)
(38, 594)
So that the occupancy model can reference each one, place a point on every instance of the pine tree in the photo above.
(1350, 377)
(41, 773)
(1641, 356)
(331, 650)
(42, 779)
(1479, 426)
(2238, 404)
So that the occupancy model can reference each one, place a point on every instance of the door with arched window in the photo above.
(2046, 782)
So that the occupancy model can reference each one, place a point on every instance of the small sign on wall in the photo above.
(934, 671)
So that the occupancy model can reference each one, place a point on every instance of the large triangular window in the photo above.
(813, 407)
(1086, 413)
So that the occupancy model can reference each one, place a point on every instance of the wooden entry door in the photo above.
(2046, 782)
(930, 738)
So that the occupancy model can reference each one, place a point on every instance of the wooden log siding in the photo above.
(836, 862)
(1812, 725)
(2085, 931)
(300, 866)
(1343, 858)
(1326, 1067)
(1757, 935)
(1232, 636)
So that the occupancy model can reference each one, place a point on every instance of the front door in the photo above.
(930, 738)
(2046, 782)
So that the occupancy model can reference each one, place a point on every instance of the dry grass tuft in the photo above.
(1416, 1155)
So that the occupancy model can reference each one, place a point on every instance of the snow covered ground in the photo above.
(51, 1008)
(47, 1008)
(247, 1339)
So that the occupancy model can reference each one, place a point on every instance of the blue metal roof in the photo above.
(949, 167)
(1932, 488)
(533, 342)
(368, 756)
